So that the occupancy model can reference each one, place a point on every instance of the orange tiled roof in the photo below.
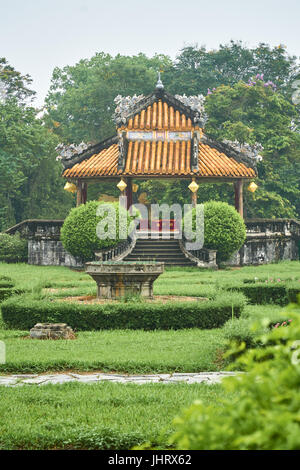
(160, 158)
(159, 115)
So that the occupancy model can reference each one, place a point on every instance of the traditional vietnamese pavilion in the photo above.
(159, 136)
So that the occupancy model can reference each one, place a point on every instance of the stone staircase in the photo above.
(160, 250)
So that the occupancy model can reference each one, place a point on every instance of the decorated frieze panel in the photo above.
(159, 135)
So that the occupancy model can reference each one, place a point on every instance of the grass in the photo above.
(94, 416)
(132, 351)
(106, 415)
(128, 350)
(174, 281)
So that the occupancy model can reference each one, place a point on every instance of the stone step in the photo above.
(177, 257)
(156, 250)
(167, 251)
(160, 260)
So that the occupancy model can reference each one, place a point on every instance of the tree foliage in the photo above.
(197, 69)
(80, 102)
(255, 112)
(30, 183)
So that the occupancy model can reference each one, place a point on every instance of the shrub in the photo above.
(78, 233)
(6, 281)
(13, 249)
(6, 292)
(268, 293)
(240, 331)
(23, 312)
(265, 413)
(224, 229)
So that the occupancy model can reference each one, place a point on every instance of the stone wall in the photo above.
(44, 245)
(268, 240)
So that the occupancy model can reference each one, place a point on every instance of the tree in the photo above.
(80, 102)
(254, 112)
(13, 83)
(196, 70)
(30, 182)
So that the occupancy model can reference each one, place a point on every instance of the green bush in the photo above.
(280, 293)
(240, 331)
(6, 292)
(78, 233)
(23, 312)
(224, 229)
(13, 249)
(265, 413)
(6, 281)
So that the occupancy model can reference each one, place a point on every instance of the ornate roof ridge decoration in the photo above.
(196, 103)
(128, 107)
(125, 106)
(71, 154)
(243, 153)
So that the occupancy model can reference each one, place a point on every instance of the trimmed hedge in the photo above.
(6, 281)
(6, 292)
(280, 293)
(23, 312)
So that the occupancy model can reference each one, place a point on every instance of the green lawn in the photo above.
(106, 415)
(128, 350)
(177, 281)
(98, 416)
(120, 350)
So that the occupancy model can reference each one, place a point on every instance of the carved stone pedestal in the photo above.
(118, 279)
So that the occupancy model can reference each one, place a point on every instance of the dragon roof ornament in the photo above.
(247, 150)
(196, 103)
(125, 106)
(66, 152)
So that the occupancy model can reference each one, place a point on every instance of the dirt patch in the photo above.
(91, 299)
(58, 289)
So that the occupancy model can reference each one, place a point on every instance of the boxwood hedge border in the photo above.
(24, 311)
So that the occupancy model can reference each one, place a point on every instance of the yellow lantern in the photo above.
(193, 186)
(135, 187)
(252, 187)
(122, 185)
(70, 187)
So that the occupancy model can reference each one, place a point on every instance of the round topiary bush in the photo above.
(79, 231)
(224, 229)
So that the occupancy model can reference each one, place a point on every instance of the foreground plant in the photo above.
(266, 414)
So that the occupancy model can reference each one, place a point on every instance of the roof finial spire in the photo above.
(159, 84)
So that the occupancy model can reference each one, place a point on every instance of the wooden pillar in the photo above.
(238, 197)
(81, 193)
(128, 193)
(84, 193)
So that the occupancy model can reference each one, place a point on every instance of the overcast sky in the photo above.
(37, 35)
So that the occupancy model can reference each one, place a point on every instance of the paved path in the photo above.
(43, 379)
